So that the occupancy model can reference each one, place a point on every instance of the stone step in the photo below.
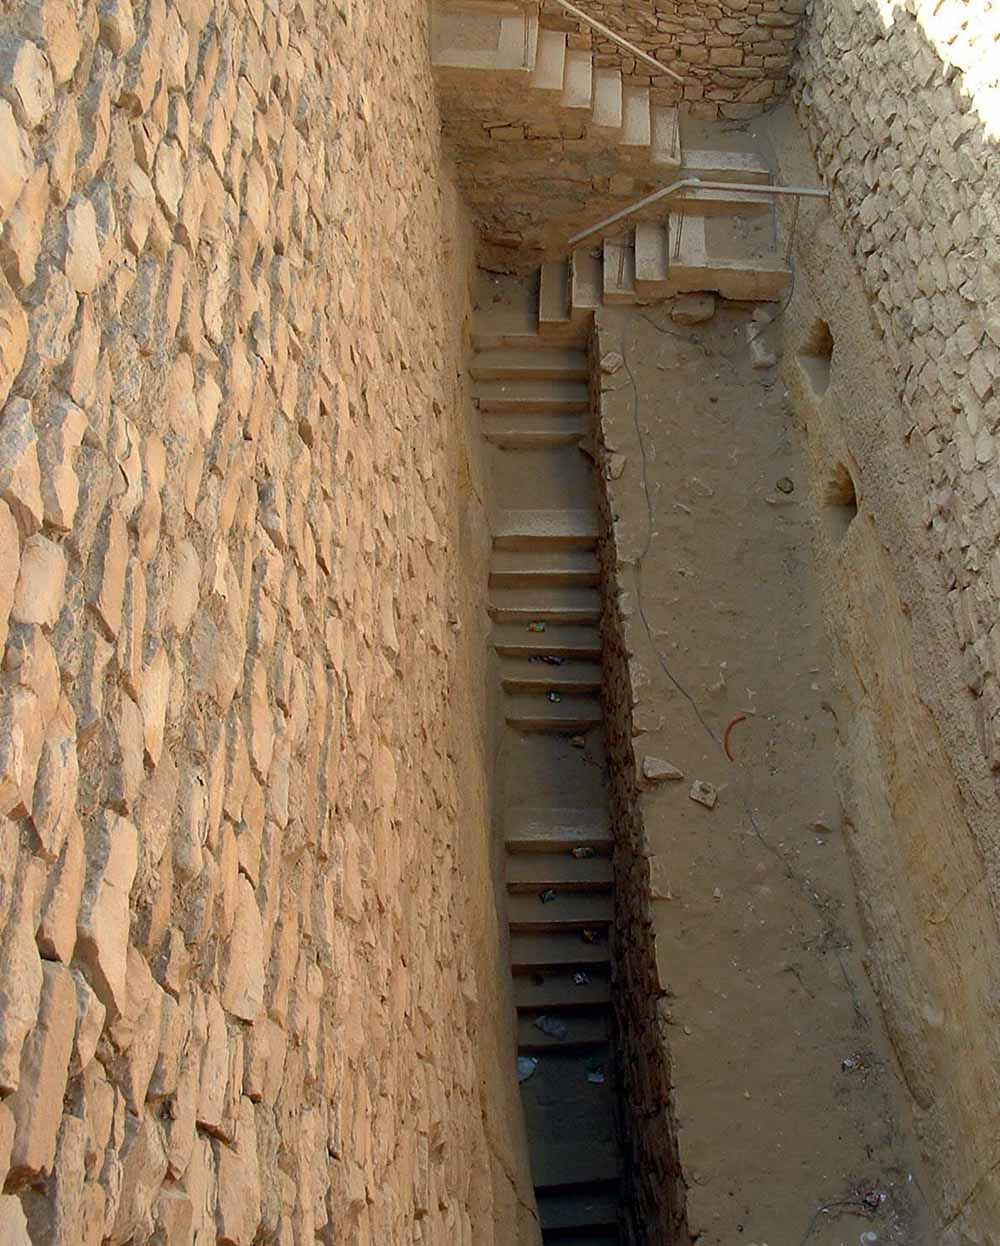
(535, 828)
(651, 260)
(528, 431)
(571, 1120)
(585, 1029)
(608, 99)
(526, 675)
(538, 871)
(578, 1209)
(586, 281)
(582, 1237)
(515, 641)
(619, 272)
(530, 365)
(553, 295)
(725, 166)
(666, 136)
(522, 568)
(554, 603)
(561, 949)
(569, 910)
(550, 61)
(637, 121)
(526, 711)
(534, 529)
(482, 39)
(558, 990)
(568, 396)
(578, 84)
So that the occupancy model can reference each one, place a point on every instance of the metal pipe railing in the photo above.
(619, 39)
(805, 192)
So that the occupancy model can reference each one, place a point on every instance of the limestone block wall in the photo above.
(250, 985)
(903, 111)
(893, 360)
(734, 55)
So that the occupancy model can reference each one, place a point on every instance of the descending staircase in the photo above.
(494, 64)
(468, 37)
(546, 606)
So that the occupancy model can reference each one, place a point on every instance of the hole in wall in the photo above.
(840, 502)
(816, 357)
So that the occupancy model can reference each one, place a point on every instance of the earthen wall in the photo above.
(251, 987)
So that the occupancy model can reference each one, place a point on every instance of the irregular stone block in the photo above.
(21, 981)
(37, 1102)
(117, 25)
(21, 240)
(62, 434)
(13, 339)
(61, 905)
(26, 81)
(153, 697)
(82, 249)
(10, 567)
(13, 1224)
(109, 591)
(102, 931)
(243, 974)
(16, 159)
(22, 736)
(90, 1016)
(54, 25)
(144, 1166)
(40, 590)
(20, 474)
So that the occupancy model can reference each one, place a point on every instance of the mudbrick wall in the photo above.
(734, 56)
(893, 359)
(247, 929)
(655, 1200)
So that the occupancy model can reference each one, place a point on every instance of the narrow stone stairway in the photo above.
(546, 606)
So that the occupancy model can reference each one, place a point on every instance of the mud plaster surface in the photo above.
(757, 931)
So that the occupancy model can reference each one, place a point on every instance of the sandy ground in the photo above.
(793, 1131)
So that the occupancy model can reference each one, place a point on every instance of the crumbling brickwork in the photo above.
(734, 56)
(247, 935)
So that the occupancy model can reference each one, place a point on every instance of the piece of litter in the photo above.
(585, 853)
(785, 485)
(717, 893)
(526, 1065)
(655, 769)
(850, 1064)
(553, 1027)
(548, 658)
(703, 793)
(580, 978)
(611, 362)
(578, 741)
(536, 627)
(590, 936)
(554, 697)
(596, 1078)
(547, 897)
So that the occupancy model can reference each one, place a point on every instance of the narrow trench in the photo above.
(693, 973)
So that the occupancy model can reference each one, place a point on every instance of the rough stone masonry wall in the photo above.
(655, 1198)
(734, 55)
(914, 172)
(247, 933)
(898, 107)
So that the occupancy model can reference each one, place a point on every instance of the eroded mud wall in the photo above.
(893, 360)
(248, 988)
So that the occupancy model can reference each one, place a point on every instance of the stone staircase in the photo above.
(524, 111)
(468, 38)
(546, 606)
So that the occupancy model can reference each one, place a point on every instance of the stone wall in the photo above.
(654, 1201)
(250, 952)
(901, 408)
(734, 55)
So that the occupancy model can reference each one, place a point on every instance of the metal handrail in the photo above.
(619, 39)
(808, 192)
